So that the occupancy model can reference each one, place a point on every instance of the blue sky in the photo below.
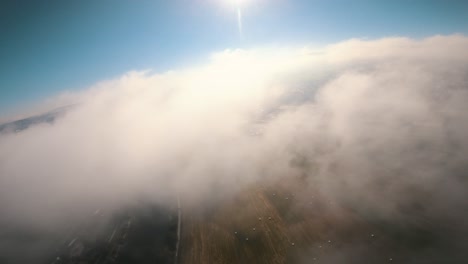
(50, 46)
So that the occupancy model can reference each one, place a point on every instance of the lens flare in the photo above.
(239, 21)
(238, 5)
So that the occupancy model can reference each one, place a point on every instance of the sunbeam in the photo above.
(239, 22)
(238, 4)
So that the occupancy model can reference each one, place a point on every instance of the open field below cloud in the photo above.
(289, 222)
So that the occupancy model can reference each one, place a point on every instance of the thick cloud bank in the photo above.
(379, 124)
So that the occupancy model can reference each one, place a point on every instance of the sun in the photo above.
(238, 6)
(236, 3)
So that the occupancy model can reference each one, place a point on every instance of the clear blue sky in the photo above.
(49, 46)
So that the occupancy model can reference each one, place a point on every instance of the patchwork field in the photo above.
(287, 223)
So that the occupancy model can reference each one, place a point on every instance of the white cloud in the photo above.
(375, 118)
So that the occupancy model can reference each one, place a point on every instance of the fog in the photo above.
(379, 124)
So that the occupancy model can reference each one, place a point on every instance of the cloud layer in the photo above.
(380, 124)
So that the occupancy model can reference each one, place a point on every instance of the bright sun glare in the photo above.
(237, 3)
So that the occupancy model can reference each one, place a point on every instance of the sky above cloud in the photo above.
(51, 46)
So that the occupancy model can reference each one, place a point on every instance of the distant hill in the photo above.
(25, 123)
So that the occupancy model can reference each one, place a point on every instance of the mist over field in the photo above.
(379, 125)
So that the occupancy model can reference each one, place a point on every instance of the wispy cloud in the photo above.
(376, 119)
